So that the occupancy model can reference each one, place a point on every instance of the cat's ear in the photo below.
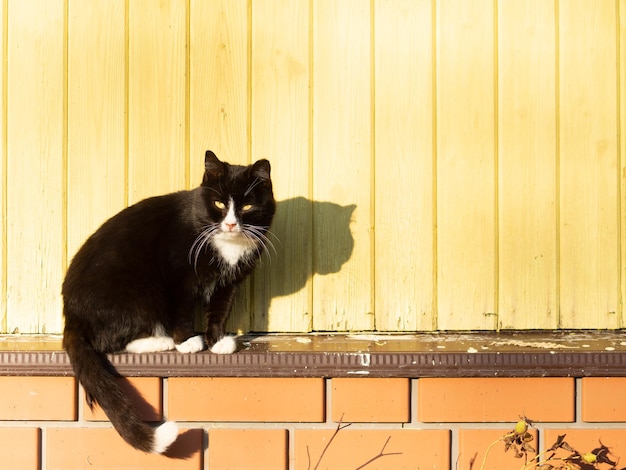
(262, 169)
(213, 167)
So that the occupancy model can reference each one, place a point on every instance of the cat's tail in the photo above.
(97, 376)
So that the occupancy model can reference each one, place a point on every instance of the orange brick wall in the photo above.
(286, 424)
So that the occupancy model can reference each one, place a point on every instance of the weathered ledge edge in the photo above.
(333, 364)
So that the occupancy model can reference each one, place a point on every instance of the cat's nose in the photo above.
(230, 227)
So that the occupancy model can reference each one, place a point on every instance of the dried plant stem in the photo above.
(340, 426)
(534, 462)
(538, 461)
(482, 465)
(484, 462)
(380, 454)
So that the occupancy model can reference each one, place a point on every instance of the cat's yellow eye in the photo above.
(219, 204)
(247, 207)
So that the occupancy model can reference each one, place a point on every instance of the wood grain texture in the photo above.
(466, 166)
(404, 166)
(439, 164)
(219, 70)
(96, 171)
(622, 153)
(342, 161)
(588, 161)
(157, 48)
(35, 126)
(280, 113)
(527, 182)
(3, 172)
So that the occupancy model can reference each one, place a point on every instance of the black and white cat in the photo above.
(136, 282)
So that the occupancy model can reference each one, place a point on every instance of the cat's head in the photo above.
(240, 205)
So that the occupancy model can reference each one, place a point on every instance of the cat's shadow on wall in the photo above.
(307, 238)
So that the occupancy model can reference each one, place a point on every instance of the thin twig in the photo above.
(319, 461)
(539, 463)
(380, 455)
(308, 458)
(471, 462)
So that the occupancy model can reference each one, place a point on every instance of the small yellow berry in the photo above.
(521, 427)
(589, 457)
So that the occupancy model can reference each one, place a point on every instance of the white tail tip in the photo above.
(164, 435)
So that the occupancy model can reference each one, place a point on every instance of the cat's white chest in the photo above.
(232, 249)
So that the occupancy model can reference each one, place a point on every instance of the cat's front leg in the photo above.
(219, 308)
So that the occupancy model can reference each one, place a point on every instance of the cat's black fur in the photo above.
(144, 272)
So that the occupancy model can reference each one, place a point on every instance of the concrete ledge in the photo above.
(508, 354)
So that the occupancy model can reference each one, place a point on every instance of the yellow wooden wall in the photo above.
(439, 164)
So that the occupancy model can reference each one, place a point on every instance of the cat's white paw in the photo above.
(191, 345)
(164, 436)
(226, 345)
(150, 344)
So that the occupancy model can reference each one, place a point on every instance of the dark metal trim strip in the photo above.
(333, 364)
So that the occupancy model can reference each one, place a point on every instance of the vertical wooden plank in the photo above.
(622, 174)
(342, 165)
(35, 244)
(3, 170)
(157, 160)
(280, 132)
(96, 124)
(527, 164)
(404, 165)
(465, 165)
(219, 102)
(588, 164)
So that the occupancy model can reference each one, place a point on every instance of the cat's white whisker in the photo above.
(252, 185)
(215, 191)
(269, 233)
(256, 235)
(200, 243)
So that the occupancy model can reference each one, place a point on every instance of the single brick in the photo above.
(371, 400)
(587, 440)
(495, 399)
(243, 449)
(103, 448)
(38, 398)
(475, 443)
(20, 448)
(352, 448)
(603, 399)
(146, 394)
(246, 399)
